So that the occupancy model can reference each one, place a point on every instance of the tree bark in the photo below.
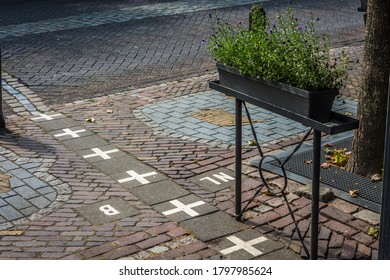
(2, 119)
(368, 143)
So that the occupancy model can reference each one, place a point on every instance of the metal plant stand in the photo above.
(338, 123)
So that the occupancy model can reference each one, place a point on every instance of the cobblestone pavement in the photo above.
(103, 178)
(70, 51)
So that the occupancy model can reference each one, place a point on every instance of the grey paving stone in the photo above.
(368, 216)
(8, 165)
(6, 225)
(215, 180)
(159, 192)
(282, 254)
(40, 202)
(2, 202)
(31, 167)
(45, 190)
(79, 130)
(184, 208)
(122, 164)
(136, 174)
(9, 213)
(38, 118)
(256, 245)
(57, 124)
(18, 202)
(83, 143)
(51, 196)
(213, 226)
(26, 192)
(15, 182)
(34, 182)
(107, 211)
(29, 211)
(21, 173)
(92, 155)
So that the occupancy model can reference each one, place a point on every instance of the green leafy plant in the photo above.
(336, 156)
(286, 51)
(373, 231)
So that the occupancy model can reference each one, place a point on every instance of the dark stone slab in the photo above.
(282, 254)
(213, 226)
(9, 213)
(67, 137)
(257, 245)
(26, 192)
(18, 202)
(159, 192)
(57, 124)
(193, 207)
(53, 115)
(87, 154)
(119, 166)
(107, 211)
(40, 202)
(83, 143)
(35, 183)
(129, 172)
(215, 180)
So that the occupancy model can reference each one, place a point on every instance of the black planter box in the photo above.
(315, 105)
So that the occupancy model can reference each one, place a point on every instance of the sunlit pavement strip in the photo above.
(117, 16)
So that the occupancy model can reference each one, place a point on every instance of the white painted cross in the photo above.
(103, 155)
(68, 131)
(139, 177)
(221, 176)
(45, 117)
(183, 208)
(242, 245)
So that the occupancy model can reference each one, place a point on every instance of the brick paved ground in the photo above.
(73, 56)
(69, 205)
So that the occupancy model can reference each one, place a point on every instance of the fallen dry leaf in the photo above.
(354, 193)
(90, 119)
(325, 165)
(251, 143)
(267, 192)
(308, 161)
(376, 177)
(110, 111)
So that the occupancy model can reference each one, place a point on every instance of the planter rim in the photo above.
(279, 85)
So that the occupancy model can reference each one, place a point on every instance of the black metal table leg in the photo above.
(238, 157)
(315, 194)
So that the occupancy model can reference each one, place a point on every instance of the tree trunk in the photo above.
(368, 144)
(2, 120)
